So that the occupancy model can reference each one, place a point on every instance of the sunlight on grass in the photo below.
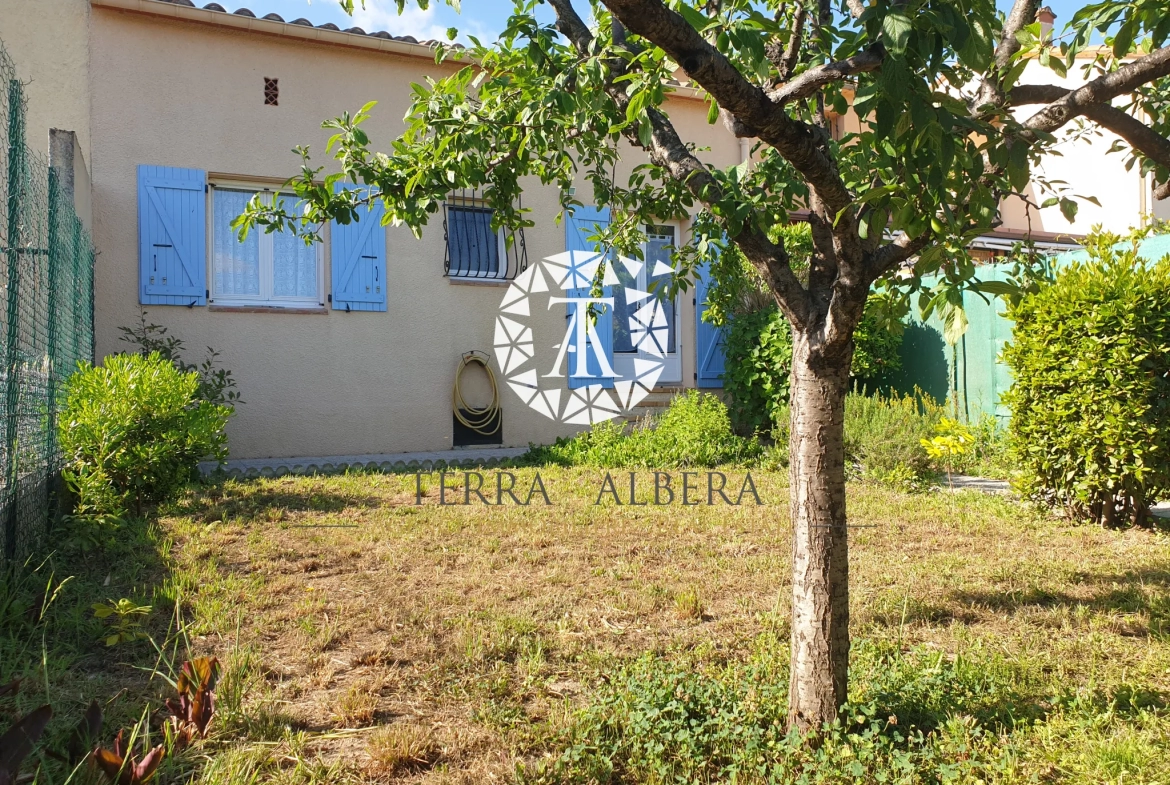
(466, 644)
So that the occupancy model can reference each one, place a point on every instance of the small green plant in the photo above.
(134, 431)
(125, 618)
(952, 441)
(913, 717)
(689, 605)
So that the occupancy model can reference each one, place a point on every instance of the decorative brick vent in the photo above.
(271, 92)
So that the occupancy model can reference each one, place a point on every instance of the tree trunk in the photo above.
(820, 545)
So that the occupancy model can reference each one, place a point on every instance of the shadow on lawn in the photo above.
(246, 501)
(1142, 591)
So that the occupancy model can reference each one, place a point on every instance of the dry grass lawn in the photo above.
(370, 639)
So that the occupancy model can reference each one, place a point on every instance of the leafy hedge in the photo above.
(1091, 398)
(133, 432)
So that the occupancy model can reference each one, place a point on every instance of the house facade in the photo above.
(350, 347)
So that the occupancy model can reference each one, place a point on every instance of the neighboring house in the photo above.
(348, 348)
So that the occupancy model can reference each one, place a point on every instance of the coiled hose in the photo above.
(478, 420)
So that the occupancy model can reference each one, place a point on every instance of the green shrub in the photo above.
(991, 455)
(695, 430)
(1090, 357)
(758, 359)
(134, 430)
(883, 437)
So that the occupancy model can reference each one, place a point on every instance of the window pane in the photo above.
(659, 246)
(236, 265)
(472, 247)
(623, 310)
(294, 266)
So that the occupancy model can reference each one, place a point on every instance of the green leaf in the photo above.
(1014, 73)
(998, 288)
(1123, 41)
(896, 29)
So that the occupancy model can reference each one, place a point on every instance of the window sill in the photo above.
(460, 281)
(219, 307)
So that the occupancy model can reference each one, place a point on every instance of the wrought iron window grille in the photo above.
(473, 250)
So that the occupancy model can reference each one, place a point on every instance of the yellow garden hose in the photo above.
(477, 420)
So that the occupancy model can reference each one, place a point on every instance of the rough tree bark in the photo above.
(820, 545)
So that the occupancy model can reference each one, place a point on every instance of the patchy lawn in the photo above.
(368, 638)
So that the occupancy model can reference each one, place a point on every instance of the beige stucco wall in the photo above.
(49, 42)
(183, 94)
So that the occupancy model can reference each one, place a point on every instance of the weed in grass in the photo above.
(402, 747)
(688, 605)
(356, 708)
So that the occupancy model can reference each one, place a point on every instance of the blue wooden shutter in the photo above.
(709, 339)
(172, 236)
(358, 253)
(579, 226)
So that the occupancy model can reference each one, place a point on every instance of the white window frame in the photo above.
(267, 259)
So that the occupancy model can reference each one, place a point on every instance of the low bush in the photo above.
(883, 437)
(758, 360)
(695, 430)
(1090, 357)
(133, 431)
(991, 454)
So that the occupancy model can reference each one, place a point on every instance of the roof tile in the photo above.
(301, 21)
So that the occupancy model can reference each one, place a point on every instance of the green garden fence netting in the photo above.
(46, 322)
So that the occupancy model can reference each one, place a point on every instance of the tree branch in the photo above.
(1140, 136)
(571, 26)
(1101, 90)
(893, 254)
(802, 145)
(812, 80)
(1023, 13)
(668, 150)
(786, 62)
